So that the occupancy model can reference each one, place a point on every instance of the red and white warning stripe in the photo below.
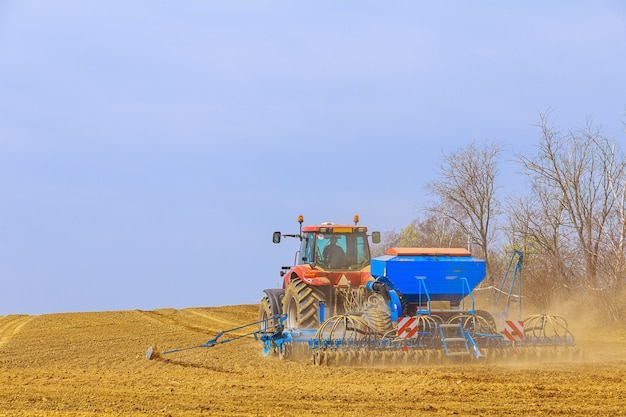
(407, 327)
(514, 330)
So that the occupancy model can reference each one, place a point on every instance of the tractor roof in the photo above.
(334, 228)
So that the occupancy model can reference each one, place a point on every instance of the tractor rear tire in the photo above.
(301, 304)
(377, 314)
(265, 312)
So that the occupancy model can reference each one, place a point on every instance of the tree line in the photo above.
(570, 223)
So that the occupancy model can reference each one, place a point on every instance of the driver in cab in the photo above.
(333, 254)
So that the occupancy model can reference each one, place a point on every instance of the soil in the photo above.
(94, 364)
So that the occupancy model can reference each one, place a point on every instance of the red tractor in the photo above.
(328, 278)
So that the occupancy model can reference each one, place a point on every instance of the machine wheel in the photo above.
(480, 322)
(377, 314)
(271, 305)
(265, 311)
(301, 304)
(316, 357)
(488, 319)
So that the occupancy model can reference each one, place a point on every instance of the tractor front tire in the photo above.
(301, 304)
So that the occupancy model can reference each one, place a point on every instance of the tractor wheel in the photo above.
(301, 304)
(265, 312)
(377, 314)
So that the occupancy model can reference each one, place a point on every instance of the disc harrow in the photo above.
(347, 340)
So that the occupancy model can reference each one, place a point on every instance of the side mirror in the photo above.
(375, 237)
(276, 237)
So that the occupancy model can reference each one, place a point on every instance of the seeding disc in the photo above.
(149, 353)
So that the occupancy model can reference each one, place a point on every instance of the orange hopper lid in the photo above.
(428, 252)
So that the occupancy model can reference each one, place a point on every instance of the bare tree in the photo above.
(575, 170)
(616, 179)
(435, 232)
(537, 228)
(612, 263)
(388, 240)
(466, 192)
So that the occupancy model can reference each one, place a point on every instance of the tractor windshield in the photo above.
(342, 250)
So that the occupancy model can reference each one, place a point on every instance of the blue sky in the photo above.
(148, 149)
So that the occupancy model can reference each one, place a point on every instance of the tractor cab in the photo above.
(332, 247)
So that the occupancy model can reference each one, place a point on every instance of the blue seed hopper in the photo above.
(419, 279)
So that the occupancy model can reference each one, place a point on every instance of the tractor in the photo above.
(329, 275)
(408, 306)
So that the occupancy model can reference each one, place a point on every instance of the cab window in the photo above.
(306, 249)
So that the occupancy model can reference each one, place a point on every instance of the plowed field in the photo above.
(94, 364)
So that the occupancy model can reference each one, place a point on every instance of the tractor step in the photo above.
(454, 340)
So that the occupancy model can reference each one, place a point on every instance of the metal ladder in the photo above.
(454, 340)
(458, 342)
